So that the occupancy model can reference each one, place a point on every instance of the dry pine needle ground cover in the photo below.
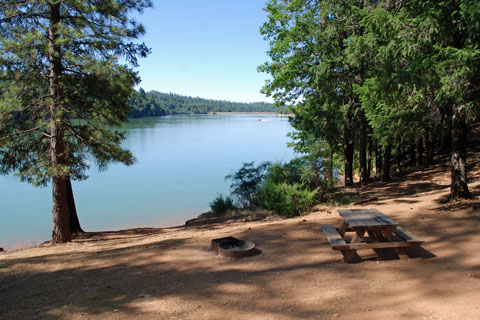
(171, 274)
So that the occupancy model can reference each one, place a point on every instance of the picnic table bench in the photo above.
(383, 232)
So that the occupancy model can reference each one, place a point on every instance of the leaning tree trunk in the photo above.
(73, 221)
(459, 186)
(61, 228)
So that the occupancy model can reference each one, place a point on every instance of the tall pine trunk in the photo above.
(459, 186)
(369, 161)
(363, 147)
(429, 143)
(348, 150)
(413, 156)
(420, 151)
(61, 228)
(386, 163)
(378, 161)
(362, 152)
(446, 130)
(399, 155)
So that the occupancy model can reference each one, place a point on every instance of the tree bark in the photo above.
(446, 130)
(74, 223)
(413, 156)
(386, 163)
(369, 161)
(459, 186)
(378, 161)
(61, 228)
(363, 147)
(399, 156)
(348, 150)
(420, 151)
(429, 146)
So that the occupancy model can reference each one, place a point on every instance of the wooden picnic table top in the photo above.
(366, 218)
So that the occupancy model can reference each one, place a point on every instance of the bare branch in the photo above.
(23, 132)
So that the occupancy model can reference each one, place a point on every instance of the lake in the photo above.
(181, 162)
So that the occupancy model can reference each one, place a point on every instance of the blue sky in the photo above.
(209, 48)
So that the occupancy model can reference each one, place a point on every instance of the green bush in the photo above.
(298, 170)
(220, 205)
(286, 199)
(247, 181)
(289, 189)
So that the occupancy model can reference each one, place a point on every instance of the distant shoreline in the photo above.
(262, 113)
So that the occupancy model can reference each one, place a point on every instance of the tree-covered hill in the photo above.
(154, 104)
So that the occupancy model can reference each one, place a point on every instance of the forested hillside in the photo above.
(154, 104)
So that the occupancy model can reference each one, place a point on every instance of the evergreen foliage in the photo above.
(287, 199)
(385, 80)
(62, 80)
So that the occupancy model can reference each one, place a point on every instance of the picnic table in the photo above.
(382, 231)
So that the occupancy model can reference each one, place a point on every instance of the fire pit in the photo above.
(233, 248)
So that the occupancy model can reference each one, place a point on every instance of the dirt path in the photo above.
(171, 274)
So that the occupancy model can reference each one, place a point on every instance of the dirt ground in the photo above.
(171, 273)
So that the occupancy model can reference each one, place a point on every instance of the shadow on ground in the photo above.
(172, 274)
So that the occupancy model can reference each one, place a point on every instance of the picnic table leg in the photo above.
(400, 251)
(380, 236)
(358, 236)
(343, 228)
(377, 236)
(372, 236)
(350, 255)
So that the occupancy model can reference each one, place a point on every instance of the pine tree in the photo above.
(65, 73)
(429, 57)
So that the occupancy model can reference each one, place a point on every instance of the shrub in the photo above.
(289, 189)
(286, 199)
(298, 170)
(220, 205)
(247, 181)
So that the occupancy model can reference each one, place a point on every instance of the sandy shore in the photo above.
(172, 274)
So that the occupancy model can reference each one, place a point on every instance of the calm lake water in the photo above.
(181, 164)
